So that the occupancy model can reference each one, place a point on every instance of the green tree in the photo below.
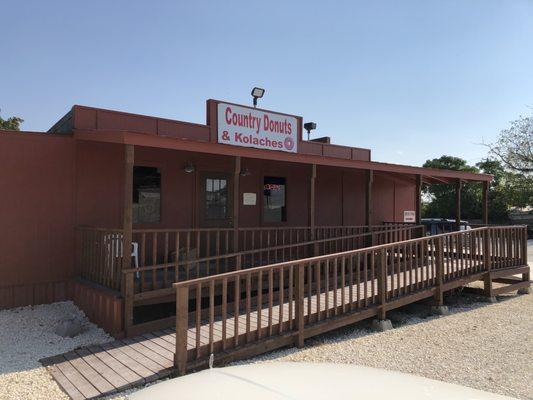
(441, 197)
(11, 124)
(497, 196)
(508, 189)
(514, 147)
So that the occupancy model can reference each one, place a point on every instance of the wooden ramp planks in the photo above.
(101, 370)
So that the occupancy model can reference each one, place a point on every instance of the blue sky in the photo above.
(409, 79)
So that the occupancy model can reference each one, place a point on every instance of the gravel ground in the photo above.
(484, 346)
(480, 345)
(26, 336)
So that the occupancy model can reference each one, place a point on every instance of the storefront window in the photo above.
(216, 198)
(146, 195)
(274, 209)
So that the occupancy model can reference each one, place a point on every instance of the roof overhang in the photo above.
(429, 175)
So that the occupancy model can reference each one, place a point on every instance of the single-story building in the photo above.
(180, 191)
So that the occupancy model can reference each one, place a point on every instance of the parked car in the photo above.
(435, 226)
(306, 381)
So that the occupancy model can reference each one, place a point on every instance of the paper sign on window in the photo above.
(249, 199)
(409, 216)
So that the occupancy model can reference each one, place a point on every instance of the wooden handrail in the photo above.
(321, 258)
(249, 252)
(302, 294)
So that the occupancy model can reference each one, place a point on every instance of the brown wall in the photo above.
(340, 193)
(179, 189)
(99, 188)
(37, 214)
(51, 183)
(391, 197)
(340, 196)
(101, 306)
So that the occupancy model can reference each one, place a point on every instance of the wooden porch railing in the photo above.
(100, 250)
(329, 240)
(148, 285)
(99, 255)
(280, 304)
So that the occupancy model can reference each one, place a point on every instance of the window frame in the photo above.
(202, 203)
(148, 164)
(274, 223)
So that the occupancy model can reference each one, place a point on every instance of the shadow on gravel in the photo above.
(412, 314)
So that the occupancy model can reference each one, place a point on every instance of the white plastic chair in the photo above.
(115, 241)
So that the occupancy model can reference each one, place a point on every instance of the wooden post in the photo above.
(236, 202)
(368, 203)
(439, 259)
(382, 283)
(523, 239)
(487, 286)
(127, 294)
(458, 186)
(127, 221)
(312, 221)
(485, 204)
(299, 302)
(418, 199)
(526, 276)
(182, 325)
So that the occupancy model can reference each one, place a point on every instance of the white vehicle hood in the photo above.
(306, 381)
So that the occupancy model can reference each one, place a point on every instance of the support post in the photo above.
(236, 202)
(312, 184)
(458, 186)
(381, 323)
(299, 311)
(382, 282)
(312, 206)
(487, 279)
(439, 258)
(182, 325)
(418, 199)
(526, 276)
(368, 204)
(485, 204)
(127, 222)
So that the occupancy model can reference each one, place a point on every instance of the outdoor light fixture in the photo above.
(245, 172)
(257, 93)
(309, 126)
(189, 168)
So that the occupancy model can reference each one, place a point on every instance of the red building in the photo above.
(73, 195)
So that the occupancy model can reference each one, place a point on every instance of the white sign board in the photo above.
(249, 199)
(248, 127)
(409, 216)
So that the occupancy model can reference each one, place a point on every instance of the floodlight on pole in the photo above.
(309, 126)
(257, 93)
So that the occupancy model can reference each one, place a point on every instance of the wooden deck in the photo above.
(320, 294)
(101, 370)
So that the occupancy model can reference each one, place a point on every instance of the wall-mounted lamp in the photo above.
(257, 93)
(309, 126)
(189, 167)
(245, 172)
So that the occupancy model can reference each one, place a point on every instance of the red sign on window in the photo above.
(272, 186)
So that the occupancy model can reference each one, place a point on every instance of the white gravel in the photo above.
(26, 336)
(484, 346)
(480, 345)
